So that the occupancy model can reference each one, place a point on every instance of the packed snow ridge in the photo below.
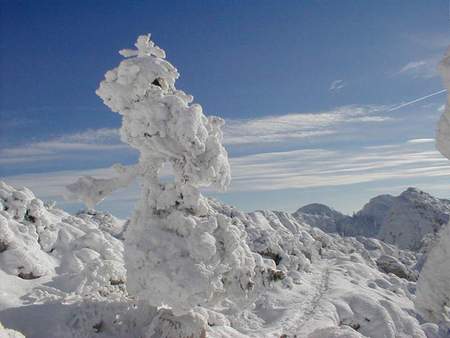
(187, 266)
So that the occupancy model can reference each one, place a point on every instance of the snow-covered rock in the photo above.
(403, 220)
(391, 264)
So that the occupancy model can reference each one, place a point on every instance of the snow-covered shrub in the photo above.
(443, 129)
(433, 286)
(21, 253)
(178, 250)
(391, 264)
(38, 241)
(8, 333)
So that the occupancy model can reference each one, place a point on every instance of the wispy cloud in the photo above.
(337, 85)
(90, 140)
(272, 129)
(425, 68)
(321, 167)
(296, 169)
(421, 140)
(299, 126)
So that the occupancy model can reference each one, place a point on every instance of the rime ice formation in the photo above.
(6, 333)
(443, 129)
(433, 286)
(178, 251)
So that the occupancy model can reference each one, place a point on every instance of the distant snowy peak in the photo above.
(403, 220)
(321, 216)
(320, 210)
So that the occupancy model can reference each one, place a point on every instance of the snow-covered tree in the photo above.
(443, 129)
(433, 286)
(178, 251)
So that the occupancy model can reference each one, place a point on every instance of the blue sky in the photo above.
(310, 91)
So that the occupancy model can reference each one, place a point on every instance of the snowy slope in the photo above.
(402, 220)
(65, 275)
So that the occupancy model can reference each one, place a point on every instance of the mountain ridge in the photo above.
(404, 220)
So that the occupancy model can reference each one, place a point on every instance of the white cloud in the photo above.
(89, 140)
(337, 85)
(271, 129)
(296, 169)
(426, 68)
(299, 125)
(322, 168)
(421, 140)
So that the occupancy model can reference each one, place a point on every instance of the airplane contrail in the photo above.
(417, 100)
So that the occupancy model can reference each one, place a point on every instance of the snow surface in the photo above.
(310, 284)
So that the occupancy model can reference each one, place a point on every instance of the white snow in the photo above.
(307, 282)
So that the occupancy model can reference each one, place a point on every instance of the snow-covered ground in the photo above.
(64, 276)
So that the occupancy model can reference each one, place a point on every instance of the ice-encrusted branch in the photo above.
(91, 190)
